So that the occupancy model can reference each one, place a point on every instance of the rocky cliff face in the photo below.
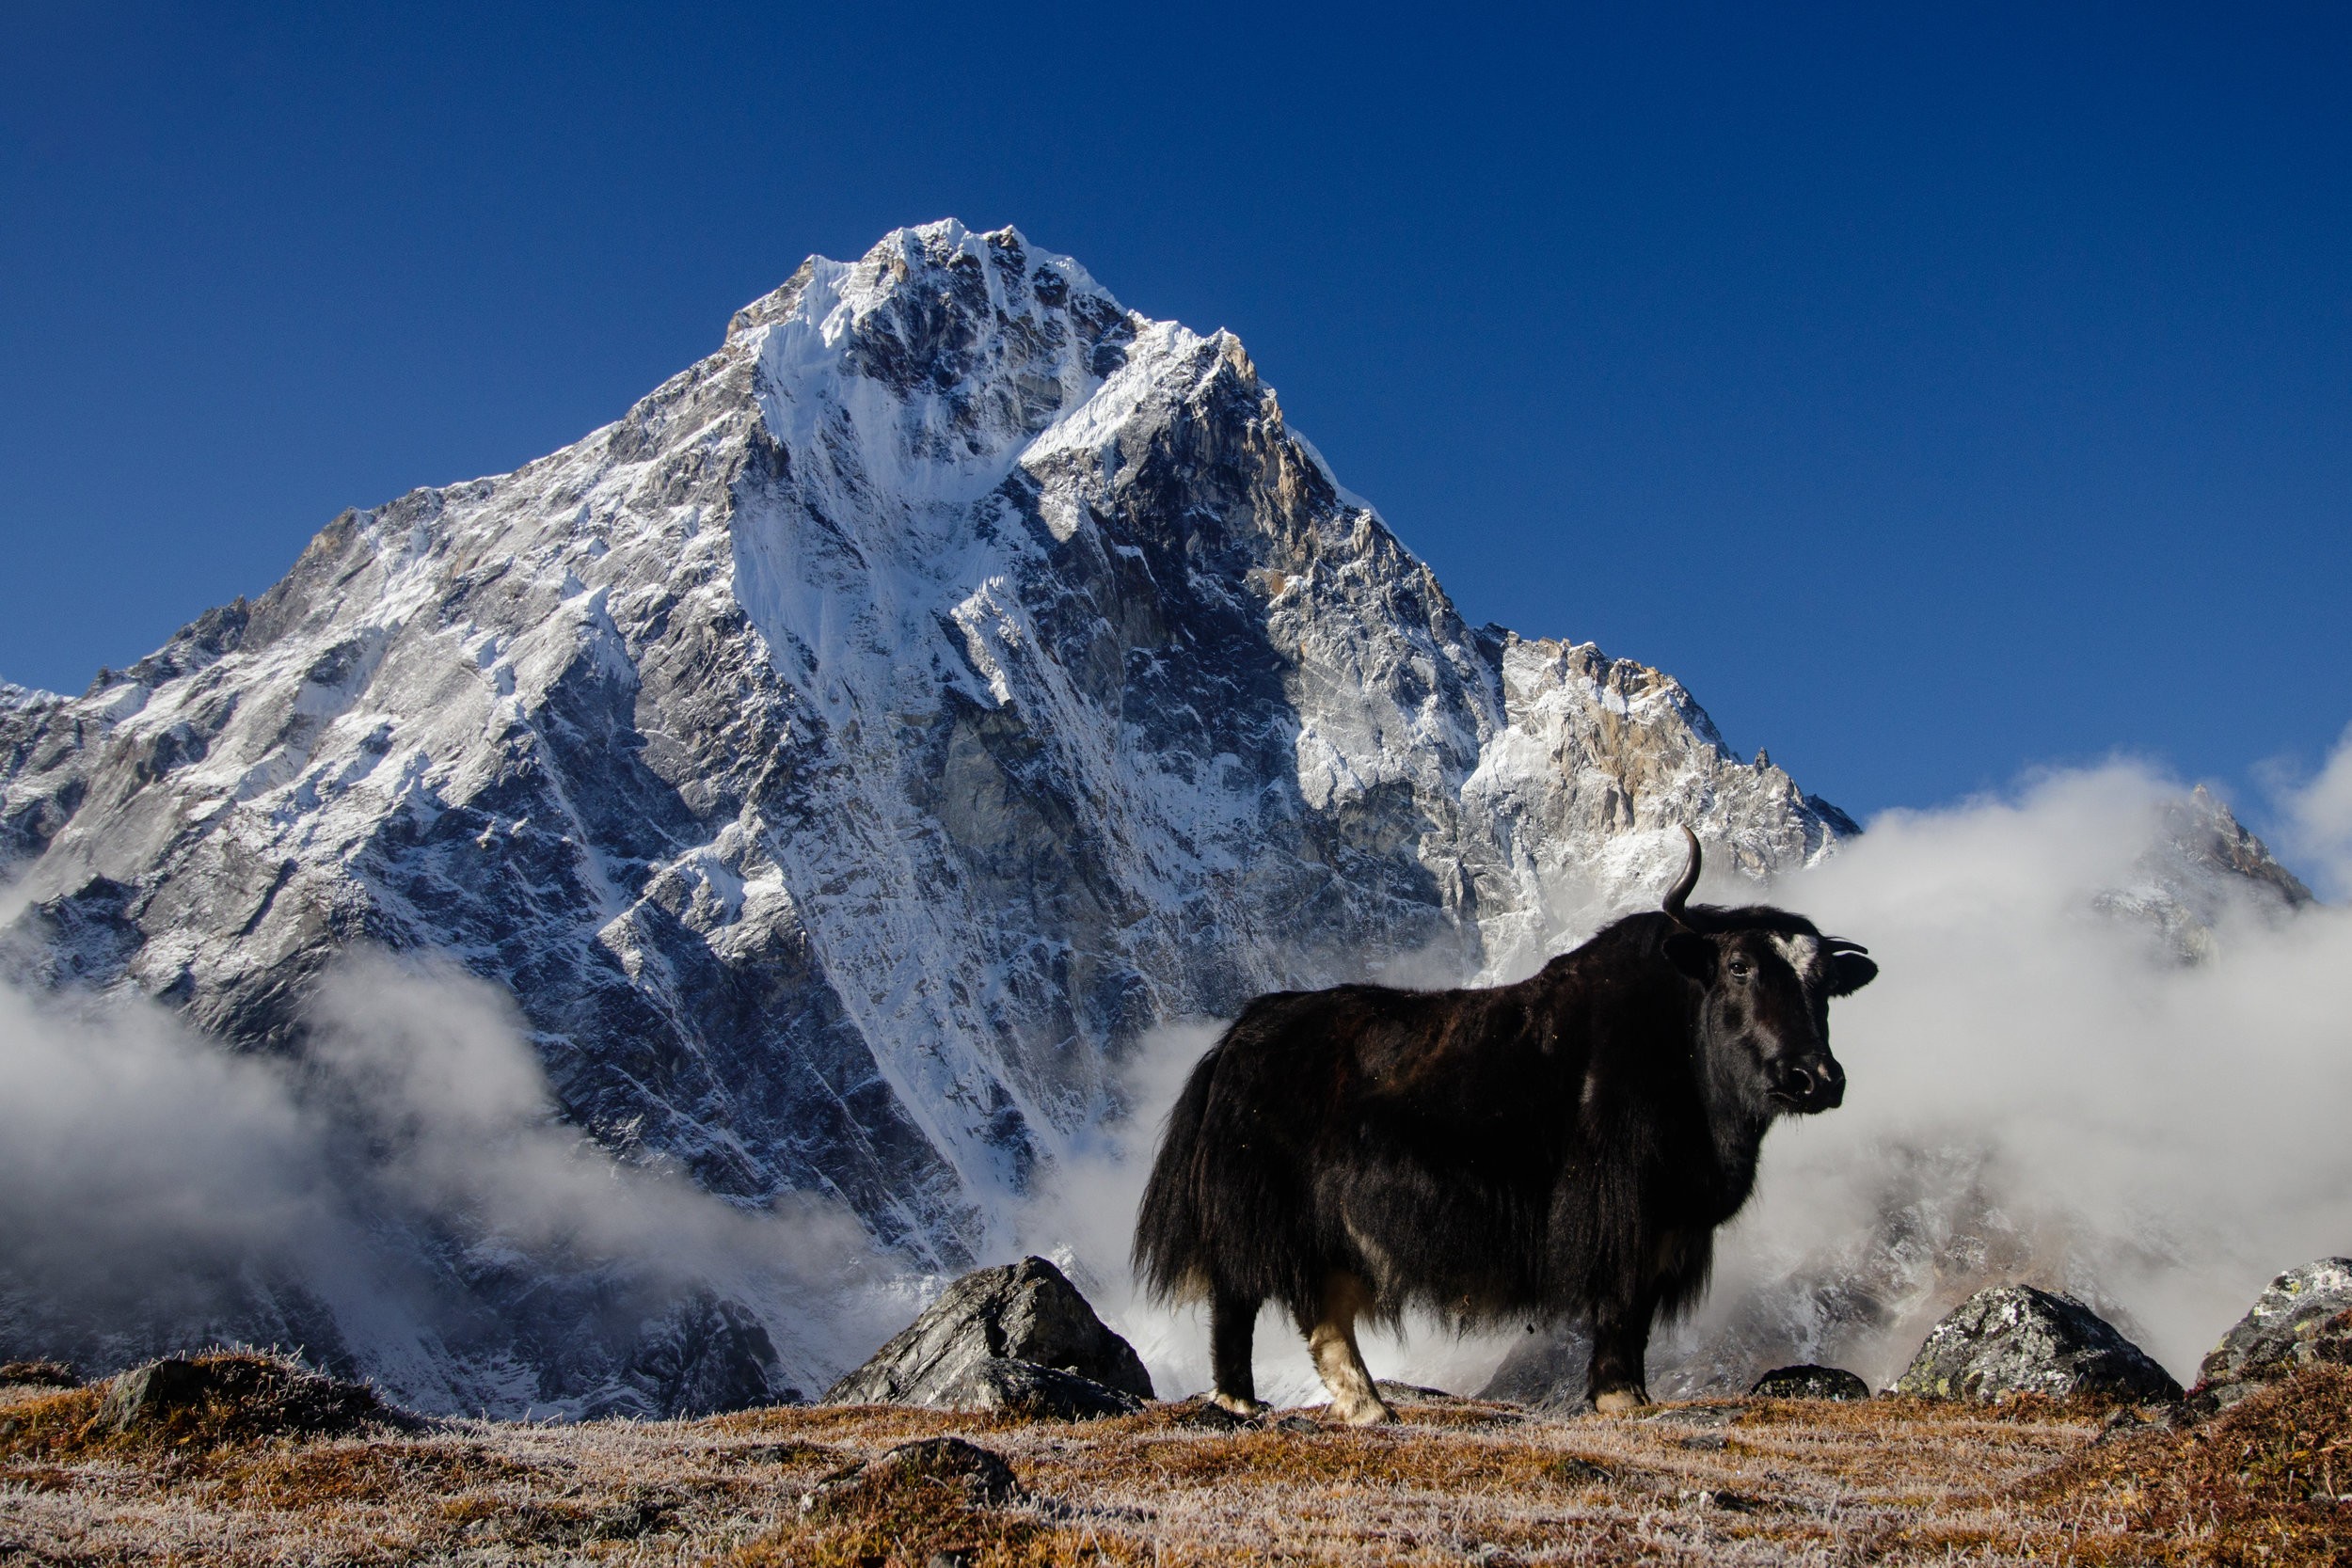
(845, 756)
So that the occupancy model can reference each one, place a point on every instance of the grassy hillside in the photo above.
(1456, 1480)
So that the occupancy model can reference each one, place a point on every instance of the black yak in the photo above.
(1564, 1145)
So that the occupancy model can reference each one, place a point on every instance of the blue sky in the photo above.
(1941, 394)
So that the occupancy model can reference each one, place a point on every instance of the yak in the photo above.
(1562, 1146)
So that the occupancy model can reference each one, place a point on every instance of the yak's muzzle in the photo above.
(1813, 1084)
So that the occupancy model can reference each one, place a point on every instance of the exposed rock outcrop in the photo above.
(2302, 1317)
(1020, 1312)
(239, 1394)
(2018, 1339)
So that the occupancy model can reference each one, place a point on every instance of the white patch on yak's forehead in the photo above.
(1803, 953)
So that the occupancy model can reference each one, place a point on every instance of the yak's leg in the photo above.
(1616, 1381)
(1341, 1364)
(1233, 1322)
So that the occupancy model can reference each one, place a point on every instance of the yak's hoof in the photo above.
(1239, 1406)
(1369, 1414)
(1620, 1401)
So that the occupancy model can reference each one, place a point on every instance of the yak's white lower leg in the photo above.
(1338, 1361)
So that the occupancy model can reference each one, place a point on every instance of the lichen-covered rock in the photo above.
(2017, 1339)
(1005, 1386)
(1810, 1383)
(1025, 1311)
(2299, 1318)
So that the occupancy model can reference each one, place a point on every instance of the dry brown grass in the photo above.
(1745, 1482)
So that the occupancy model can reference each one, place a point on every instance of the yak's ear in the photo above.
(1692, 953)
(1849, 972)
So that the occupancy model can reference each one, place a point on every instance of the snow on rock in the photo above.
(845, 756)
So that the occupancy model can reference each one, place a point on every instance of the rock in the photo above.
(230, 1395)
(1809, 1382)
(1023, 1311)
(1025, 1389)
(38, 1374)
(2017, 1339)
(1413, 1393)
(705, 1355)
(1545, 1370)
(982, 1476)
(2298, 1320)
(1199, 1412)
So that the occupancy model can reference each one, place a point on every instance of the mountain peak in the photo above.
(941, 263)
(847, 757)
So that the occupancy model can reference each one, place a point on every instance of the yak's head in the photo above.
(1766, 977)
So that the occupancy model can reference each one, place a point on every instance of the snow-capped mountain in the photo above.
(846, 756)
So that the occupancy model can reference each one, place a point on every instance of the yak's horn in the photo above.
(1672, 906)
(1839, 945)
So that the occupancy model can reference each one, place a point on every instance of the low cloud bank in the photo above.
(2042, 1088)
(2159, 1134)
(400, 1202)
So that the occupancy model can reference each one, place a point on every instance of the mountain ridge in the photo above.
(848, 755)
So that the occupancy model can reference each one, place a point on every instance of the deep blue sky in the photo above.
(1939, 391)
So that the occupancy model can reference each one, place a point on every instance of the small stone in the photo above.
(2017, 1339)
(1581, 1472)
(1809, 1382)
(983, 1477)
(1710, 1442)
(1307, 1424)
(1204, 1412)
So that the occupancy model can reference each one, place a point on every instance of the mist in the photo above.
(380, 1203)
(2042, 1087)
(2045, 1085)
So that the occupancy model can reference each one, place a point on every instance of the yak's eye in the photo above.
(1741, 968)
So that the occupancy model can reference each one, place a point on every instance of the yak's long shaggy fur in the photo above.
(1563, 1145)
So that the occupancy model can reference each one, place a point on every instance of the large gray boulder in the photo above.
(2017, 1339)
(2299, 1318)
(1025, 1311)
(1024, 1388)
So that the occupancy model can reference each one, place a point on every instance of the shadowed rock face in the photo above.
(2017, 1339)
(2300, 1318)
(1022, 1312)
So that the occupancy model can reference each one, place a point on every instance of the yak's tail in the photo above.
(1172, 1250)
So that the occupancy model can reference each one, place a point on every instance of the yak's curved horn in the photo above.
(1839, 945)
(1681, 891)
